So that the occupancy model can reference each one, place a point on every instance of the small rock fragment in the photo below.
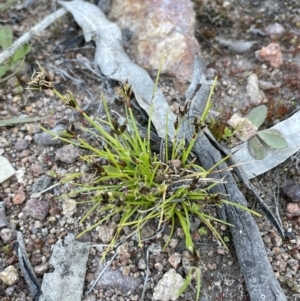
(142, 264)
(254, 94)
(116, 280)
(244, 129)
(10, 275)
(37, 169)
(3, 143)
(3, 219)
(41, 184)
(106, 233)
(126, 270)
(6, 169)
(155, 248)
(69, 207)
(194, 223)
(146, 232)
(173, 243)
(20, 197)
(46, 139)
(9, 291)
(123, 249)
(236, 46)
(272, 54)
(256, 31)
(20, 173)
(274, 30)
(33, 128)
(7, 235)
(67, 154)
(277, 241)
(36, 209)
(174, 260)
(21, 144)
(168, 286)
(291, 192)
(41, 269)
(266, 85)
(293, 209)
(36, 259)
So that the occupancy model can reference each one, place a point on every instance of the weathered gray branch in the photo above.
(255, 266)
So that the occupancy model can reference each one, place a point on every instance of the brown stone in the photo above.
(20, 197)
(36, 209)
(160, 27)
(271, 54)
(12, 260)
(291, 193)
(41, 269)
(293, 209)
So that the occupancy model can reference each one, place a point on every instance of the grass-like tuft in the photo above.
(131, 180)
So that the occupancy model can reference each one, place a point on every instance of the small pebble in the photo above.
(293, 209)
(7, 235)
(271, 54)
(142, 264)
(274, 30)
(167, 287)
(174, 260)
(106, 233)
(19, 198)
(67, 154)
(291, 192)
(10, 275)
(41, 184)
(41, 269)
(69, 207)
(44, 138)
(21, 144)
(36, 209)
(155, 248)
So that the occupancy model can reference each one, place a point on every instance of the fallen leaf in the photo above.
(114, 63)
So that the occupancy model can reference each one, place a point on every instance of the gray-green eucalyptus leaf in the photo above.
(114, 63)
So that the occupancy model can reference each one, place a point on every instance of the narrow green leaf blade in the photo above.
(6, 37)
(258, 115)
(272, 138)
(256, 148)
(6, 122)
(20, 53)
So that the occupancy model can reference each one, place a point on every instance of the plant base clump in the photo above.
(129, 179)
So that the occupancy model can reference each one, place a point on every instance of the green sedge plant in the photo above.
(131, 180)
